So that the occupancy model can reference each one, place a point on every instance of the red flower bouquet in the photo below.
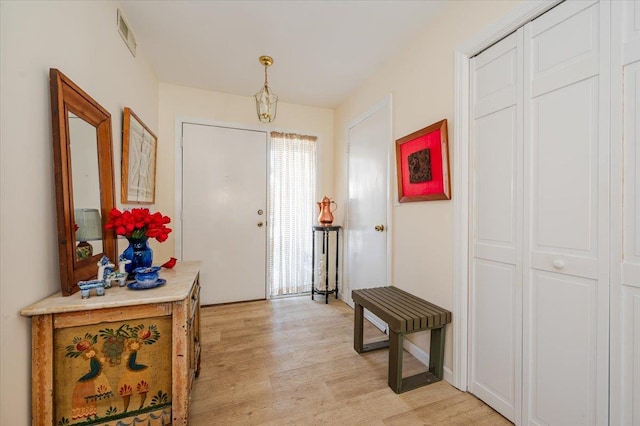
(139, 224)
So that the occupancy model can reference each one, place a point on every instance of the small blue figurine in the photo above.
(86, 286)
(122, 263)
(105, 268)
(120, 276)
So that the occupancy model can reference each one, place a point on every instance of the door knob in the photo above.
(260, 224)
(379, 228)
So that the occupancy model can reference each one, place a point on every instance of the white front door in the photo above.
(224, 198)
(366, 256)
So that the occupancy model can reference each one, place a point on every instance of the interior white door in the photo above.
(366, 251)
(626, 269)
(539, 272)
(224, 198)
(495, 291)
(566, 276)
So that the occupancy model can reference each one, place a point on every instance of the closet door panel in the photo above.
(564, 169)
(496, 77)
(631, 356)
(494, 336)
(635, 356)
(631, 204)
(495, 174)
(565, 215)
(562, 339)
(496, 244)
(494, 347)
(563, 37)
(631, 42)
(564, 46)
(629, 260)
(571, 265)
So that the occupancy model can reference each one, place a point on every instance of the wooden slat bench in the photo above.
(404, 313)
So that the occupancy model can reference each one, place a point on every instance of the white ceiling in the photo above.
(322, 50)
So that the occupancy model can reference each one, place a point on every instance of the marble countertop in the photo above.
(179, 282)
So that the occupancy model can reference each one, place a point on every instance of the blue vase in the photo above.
(139, 253)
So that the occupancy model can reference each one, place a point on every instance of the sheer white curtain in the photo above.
(292, 208)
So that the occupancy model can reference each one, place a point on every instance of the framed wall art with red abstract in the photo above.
(422, 161)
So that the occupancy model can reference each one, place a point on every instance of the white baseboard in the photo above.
(377, 322)
(447, 375)
(416, 351)
(423, 356)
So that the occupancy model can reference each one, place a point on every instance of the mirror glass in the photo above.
(83, 142)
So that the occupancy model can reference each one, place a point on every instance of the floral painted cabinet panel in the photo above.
(113, 371)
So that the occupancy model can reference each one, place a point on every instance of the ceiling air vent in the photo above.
(126, 34)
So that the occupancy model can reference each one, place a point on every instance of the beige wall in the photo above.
(80, 39)
(178, 102)
(421, 81)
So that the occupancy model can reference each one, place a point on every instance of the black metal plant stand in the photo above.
(326, 230)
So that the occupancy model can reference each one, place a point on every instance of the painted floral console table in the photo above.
(126, 358)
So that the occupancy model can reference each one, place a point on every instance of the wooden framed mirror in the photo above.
(83, 166)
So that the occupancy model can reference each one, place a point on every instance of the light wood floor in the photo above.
(291, 362)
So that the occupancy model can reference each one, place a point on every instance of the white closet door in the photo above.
(566, 218)
(630, 237)
(496, 270)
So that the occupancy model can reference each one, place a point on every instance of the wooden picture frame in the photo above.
(139, 145)
(422, 164)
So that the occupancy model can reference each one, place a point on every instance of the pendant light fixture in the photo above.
(266, 100)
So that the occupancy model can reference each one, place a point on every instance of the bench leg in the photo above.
(436, 358)
(436, 353)
(395, 361)
(358, 333)
(358, 328)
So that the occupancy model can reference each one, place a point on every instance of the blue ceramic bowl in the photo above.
(147, 276)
